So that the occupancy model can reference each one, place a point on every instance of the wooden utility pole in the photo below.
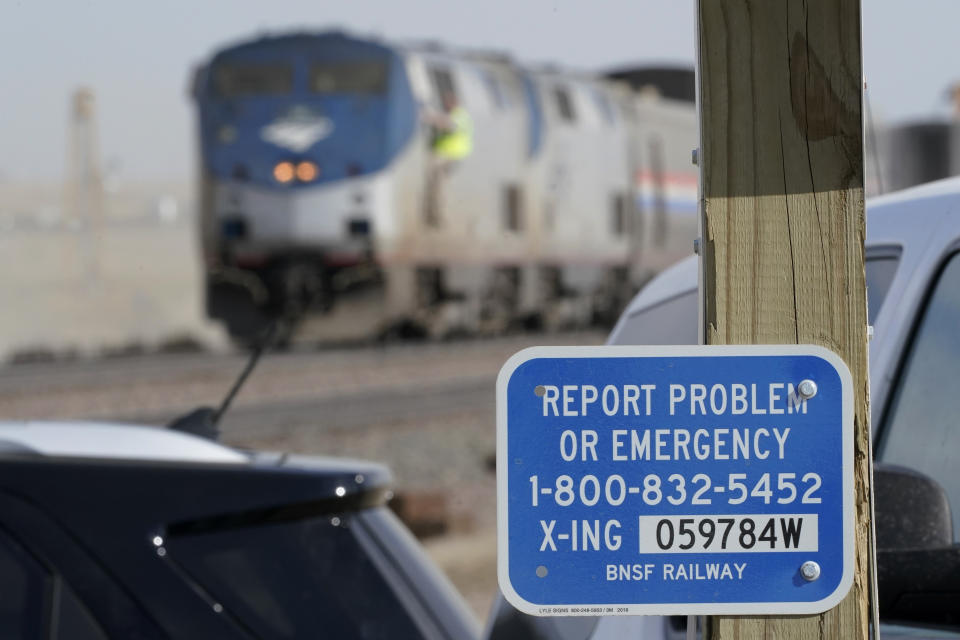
(783, 227)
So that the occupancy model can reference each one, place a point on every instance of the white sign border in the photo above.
(677, 351)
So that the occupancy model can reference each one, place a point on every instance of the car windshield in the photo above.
(300, 579)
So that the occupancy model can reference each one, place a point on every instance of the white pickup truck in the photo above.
(913, 290)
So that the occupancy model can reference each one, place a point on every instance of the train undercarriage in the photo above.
(303, 299)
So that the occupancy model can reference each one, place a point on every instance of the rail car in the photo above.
(315, 186)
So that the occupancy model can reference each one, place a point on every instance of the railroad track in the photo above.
(340, 381)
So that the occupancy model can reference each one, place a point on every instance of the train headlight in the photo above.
(307, 171)
(284, 172)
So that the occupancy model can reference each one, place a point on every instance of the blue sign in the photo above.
(675, 480)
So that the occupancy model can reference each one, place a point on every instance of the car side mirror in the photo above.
(918, 563)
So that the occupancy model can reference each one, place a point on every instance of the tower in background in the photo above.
(83, 206)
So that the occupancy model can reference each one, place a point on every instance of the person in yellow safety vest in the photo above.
(451, 142)
(454, 136)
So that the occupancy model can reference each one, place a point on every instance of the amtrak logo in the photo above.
(297, 130)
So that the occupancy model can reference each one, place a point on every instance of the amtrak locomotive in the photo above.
(319, 186)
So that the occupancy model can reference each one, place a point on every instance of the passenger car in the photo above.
(913, 288)
(119, 531)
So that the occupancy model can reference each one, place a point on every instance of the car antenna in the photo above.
(204, 421)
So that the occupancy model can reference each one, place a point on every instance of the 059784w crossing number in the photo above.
(614, 490)
(706, 534)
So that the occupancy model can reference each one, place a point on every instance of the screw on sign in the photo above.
(810, 570)
(674, 480)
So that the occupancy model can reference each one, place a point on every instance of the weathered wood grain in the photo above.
(782, 160)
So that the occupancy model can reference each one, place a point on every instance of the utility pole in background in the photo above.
(84, 184)
(783, 226)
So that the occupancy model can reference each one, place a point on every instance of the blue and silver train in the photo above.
(315, 186)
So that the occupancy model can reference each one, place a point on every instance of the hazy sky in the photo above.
(137, 57)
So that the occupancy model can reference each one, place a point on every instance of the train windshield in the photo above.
(238, 80)
(367, 77)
